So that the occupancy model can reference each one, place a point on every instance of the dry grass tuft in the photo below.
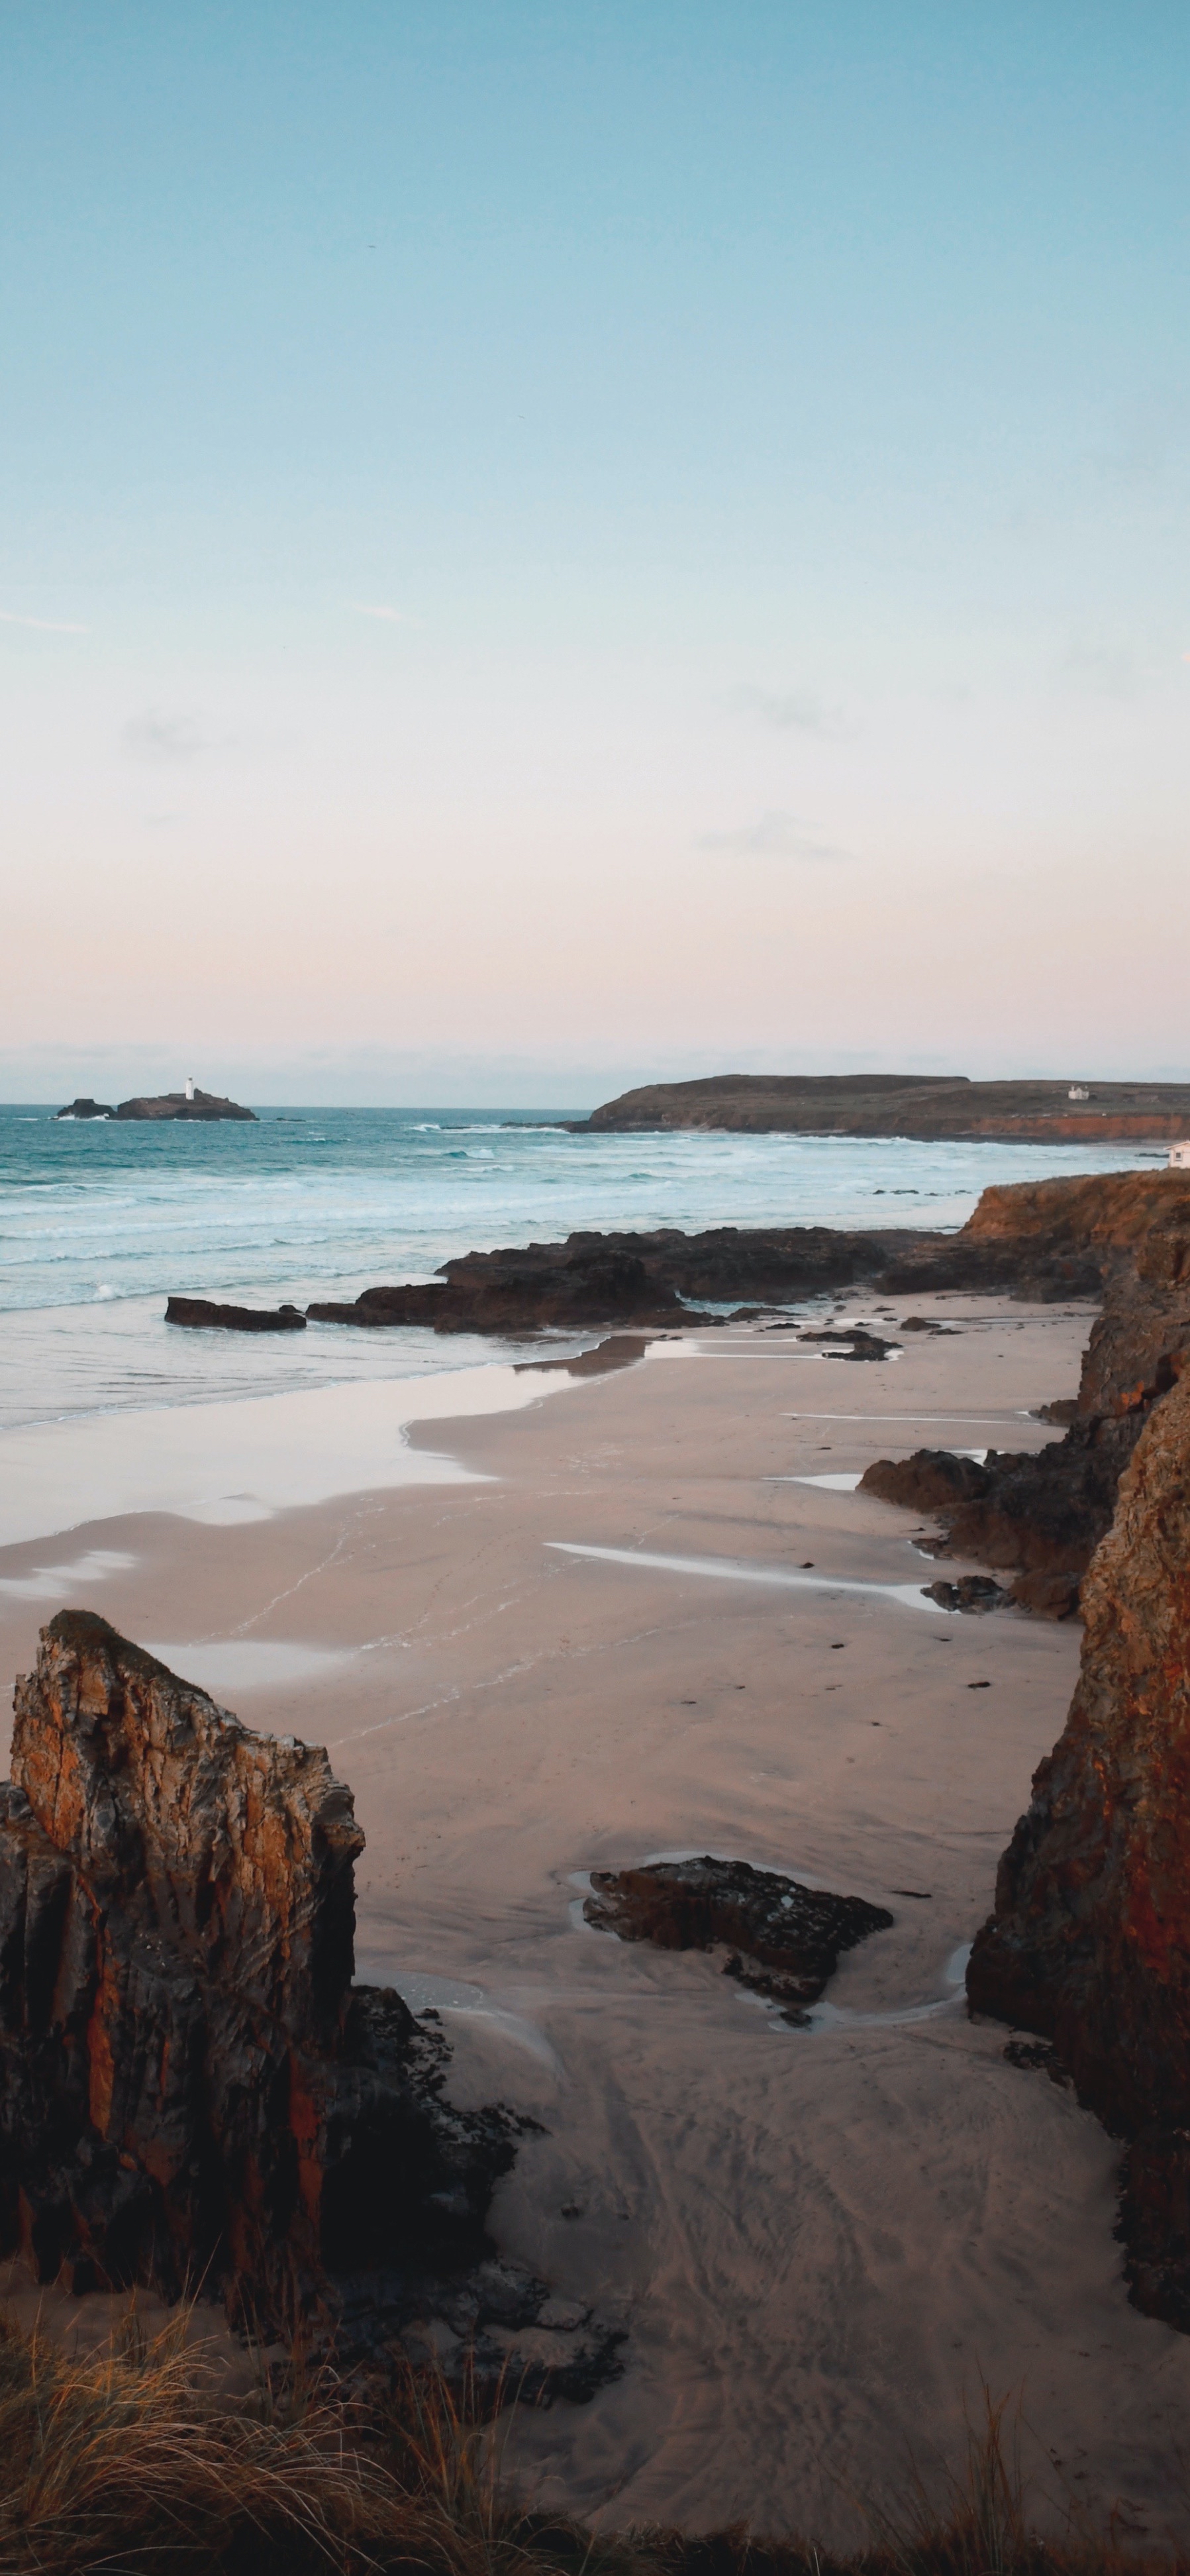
(134, 2463)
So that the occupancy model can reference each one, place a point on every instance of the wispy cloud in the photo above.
(391, 616)
(44, 625)
(776, 836)
(791, 711)
(157, 735)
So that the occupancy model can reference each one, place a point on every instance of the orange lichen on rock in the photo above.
(1089, 1945)
(190, 2084)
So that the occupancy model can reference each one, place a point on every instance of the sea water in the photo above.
(100, 1221)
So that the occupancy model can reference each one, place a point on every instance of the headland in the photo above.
(928, 1106)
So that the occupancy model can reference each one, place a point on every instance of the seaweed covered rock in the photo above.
(1089, 1944)
(191, 2088)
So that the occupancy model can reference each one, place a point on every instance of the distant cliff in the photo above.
(167, 1105)
(928, 1106)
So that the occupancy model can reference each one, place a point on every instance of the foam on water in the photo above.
(100, 1221)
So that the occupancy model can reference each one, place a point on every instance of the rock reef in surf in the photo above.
(192, 2089)
(1089, 1944)
(201, 1315)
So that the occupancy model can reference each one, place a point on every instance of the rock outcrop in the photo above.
(202, 1315)
(657, 1278)
(191, 2087)
(206, 1105)
(780, 1939)
(1046, 1240)
(1042, 1513)
(1089, 1944)
(88, 1109)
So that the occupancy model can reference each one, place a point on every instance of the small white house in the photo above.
(1078, 1091)
(1179, 1157)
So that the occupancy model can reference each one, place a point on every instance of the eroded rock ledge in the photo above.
(1089, 1944)
(1041, 1514)
(191, 2088)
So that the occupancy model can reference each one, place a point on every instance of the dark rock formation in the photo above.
(191, 2089)
(854, 1343)
(620, 1278)
(782, 1939)
(1041, 1514)
(972, 1594)
(174, 1104)
(199, 1312)
(87, 1109)
(901, 1104)
(1089, 1945)
(930, 1480)
(588, 1280)
(1045, 1240)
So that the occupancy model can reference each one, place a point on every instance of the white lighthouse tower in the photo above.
(189, 1086)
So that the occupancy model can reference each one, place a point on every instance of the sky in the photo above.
(575, 541)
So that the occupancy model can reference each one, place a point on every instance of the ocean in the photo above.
(99, 1222)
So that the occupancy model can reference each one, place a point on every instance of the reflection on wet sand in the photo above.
(727, 1569)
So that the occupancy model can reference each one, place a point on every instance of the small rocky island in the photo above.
(190, 1103)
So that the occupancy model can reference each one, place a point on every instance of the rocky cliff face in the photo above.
(1042, 1514)
(190, 2085)
(1089, 1945)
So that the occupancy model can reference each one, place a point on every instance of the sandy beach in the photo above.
(643, 1613)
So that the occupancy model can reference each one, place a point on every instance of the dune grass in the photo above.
(133, 2462)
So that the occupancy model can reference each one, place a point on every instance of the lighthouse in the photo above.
(189, 1086)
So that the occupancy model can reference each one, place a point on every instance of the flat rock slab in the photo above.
(200, 1313)
(782, 1939)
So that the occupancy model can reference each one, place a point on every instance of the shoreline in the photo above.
(819, 2241)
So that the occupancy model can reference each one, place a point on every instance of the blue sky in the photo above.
(593, 538)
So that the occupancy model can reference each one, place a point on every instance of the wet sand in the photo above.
(822, 2243)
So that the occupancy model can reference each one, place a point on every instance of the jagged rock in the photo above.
(507, 1292)
(191, 2089)
(1089, 1945)
(620, 1278)
(782, 1939)
(87, 1109)
(201, 1314)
